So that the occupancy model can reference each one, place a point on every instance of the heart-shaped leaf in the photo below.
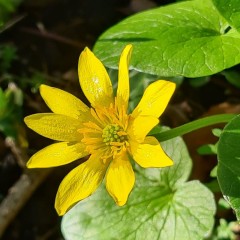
(189, 38)
(162, 206)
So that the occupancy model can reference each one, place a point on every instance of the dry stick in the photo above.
(18, 195)
(19, 154)
(55, 37)
(12, 22)
(22, 190)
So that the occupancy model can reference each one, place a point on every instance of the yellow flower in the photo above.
(105, 131)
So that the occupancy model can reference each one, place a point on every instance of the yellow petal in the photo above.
(123, 77)
(94, 80)
(155, 99)
(120, 179)
(150, 154)
(54, 126)
(57, 154)
(80, 183)
(140, 127)
(64, 103)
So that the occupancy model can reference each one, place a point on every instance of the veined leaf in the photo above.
(230, 10)
(188, 38)
(228, 172)
(162, 206)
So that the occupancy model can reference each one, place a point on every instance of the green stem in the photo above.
(192, 126)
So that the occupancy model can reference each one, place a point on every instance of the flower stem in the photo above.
(192, 126)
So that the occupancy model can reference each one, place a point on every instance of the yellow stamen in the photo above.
(92, 125)
(107, 130)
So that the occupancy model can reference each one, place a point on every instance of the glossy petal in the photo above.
(155, 99)
(123, 77)
(140, 127)
(54, 126)
(57, 154)
(94, 80)
(80, 183)
(64, 103)
(150, 154)
(120, 179)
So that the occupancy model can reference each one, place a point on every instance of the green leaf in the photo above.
(228, 172)
(199, 81)
(225, 230)
(11, 101)
(207, 149)
(9, 5)
(232, 76)
(188, 38)
(3, 102)
(213, 185)
(216, 132)
(223, 204)
(162, 206)
(213, 172)
(230, 10)
(8, 53)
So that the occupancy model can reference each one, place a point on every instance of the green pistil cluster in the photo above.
(111, 134)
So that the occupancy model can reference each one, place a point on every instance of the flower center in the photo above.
(114, 135)
(106, 132)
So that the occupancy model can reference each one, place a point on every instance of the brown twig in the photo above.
(18, 195)
(12, 22)
(54, 36)
(22, 190)
(18, 152)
